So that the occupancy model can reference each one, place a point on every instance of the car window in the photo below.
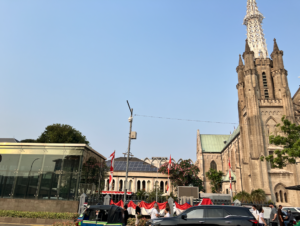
(214, 212)
(197, 213)
(239, 211)
(298, 209)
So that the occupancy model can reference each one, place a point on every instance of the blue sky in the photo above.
(77, 62)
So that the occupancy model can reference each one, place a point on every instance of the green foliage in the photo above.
(142, 221)
(258, 196)
(141, 193)
(215, 178)
(290, 141)
(152, 194)
(183, 174)
(28, 141)
(243, 197)
(60, 133)
(40, 215)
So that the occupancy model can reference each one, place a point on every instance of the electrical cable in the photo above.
(189, 120)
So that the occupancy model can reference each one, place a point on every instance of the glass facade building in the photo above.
(49, 171)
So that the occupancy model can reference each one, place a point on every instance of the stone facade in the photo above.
(264, 97)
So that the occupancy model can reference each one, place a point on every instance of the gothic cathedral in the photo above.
(263, 98)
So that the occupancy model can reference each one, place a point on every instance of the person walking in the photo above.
(125, 216)
(155, 212)
(289, 218)
(273, 216)
(280, 216)
(255, 212)
(137, 214)
(261, 220)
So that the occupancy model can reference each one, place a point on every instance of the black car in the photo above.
(209, 216)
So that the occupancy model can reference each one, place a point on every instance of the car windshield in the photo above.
(298, 209)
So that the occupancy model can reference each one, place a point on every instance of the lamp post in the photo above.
(128, 152)
(27, 187)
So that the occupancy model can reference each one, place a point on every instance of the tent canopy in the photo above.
(296, 187)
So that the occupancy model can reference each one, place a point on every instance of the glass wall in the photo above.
(40, 172)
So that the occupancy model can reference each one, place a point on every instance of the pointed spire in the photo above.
(241, 61)
(256, 38)
(275, 46)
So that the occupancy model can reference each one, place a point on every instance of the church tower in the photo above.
(263, 98)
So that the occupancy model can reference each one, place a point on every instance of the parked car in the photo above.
(101, 215)
(210, 216)
(295, 211)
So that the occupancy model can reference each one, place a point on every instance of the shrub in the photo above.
(142, 221)
(40, 215)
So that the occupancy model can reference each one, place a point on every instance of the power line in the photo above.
(189, 120)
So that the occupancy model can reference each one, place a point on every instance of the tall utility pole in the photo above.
(128, 152)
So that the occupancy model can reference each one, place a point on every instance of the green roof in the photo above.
(232, 136)
(213, 143)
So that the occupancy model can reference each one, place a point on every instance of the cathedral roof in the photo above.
(213, 143)
(135, 165)
(231, 137)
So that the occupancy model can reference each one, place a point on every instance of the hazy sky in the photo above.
(77, 62)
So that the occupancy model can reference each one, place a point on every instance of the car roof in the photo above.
(100, 207)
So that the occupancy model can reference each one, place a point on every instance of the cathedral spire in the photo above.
(275, 46)
(253, 21)
(241, 61)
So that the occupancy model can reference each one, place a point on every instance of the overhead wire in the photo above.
(189, 120)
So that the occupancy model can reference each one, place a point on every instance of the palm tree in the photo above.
(243, 197)
(258, 196)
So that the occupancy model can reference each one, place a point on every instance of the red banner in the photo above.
(116, 192)
(120, 203)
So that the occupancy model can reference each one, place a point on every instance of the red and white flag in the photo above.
(169, 167)
(112, 165)
(230, 176)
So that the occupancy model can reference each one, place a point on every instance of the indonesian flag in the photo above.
(146, 208)
(180, 208)
(169, 167)
(230, 176)
(120, 203)
(205, 202)
(112, 164)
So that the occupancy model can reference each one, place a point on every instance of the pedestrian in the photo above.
(125, 216)
(289, 218)
(261, 220)
(255, 212)
(167, 207)
(280, 216)
(167, 212)
(137, 213)
(273, 215)
(155, 212)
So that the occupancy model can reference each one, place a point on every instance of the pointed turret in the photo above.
(275, 46)
(241, 61)
(248, 56)
(277, 57)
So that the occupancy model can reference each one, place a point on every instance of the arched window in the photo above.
(227, 191)
(138, 185)
(107, 185)
(285, 197)
(162, 186)
(280, 194)
(213, 165)
(276, 195)
(113, 185)
(166, 186)
(144, 186)
(120, 185)
(130, 185)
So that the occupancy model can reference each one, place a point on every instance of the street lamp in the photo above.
(132, 135)
(27, 187)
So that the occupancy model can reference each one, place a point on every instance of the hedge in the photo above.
(40, 215)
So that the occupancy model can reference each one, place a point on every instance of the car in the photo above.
(209, 216)
(295, 211)
(101, 215)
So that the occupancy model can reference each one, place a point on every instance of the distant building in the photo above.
(141, 176)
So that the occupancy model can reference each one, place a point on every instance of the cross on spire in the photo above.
(255, 35)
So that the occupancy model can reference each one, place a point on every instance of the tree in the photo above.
(60, 133)
(258, 196)
(243, 197)
(28, 141)
(289, 141)
(183, 174)
(215, 178)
